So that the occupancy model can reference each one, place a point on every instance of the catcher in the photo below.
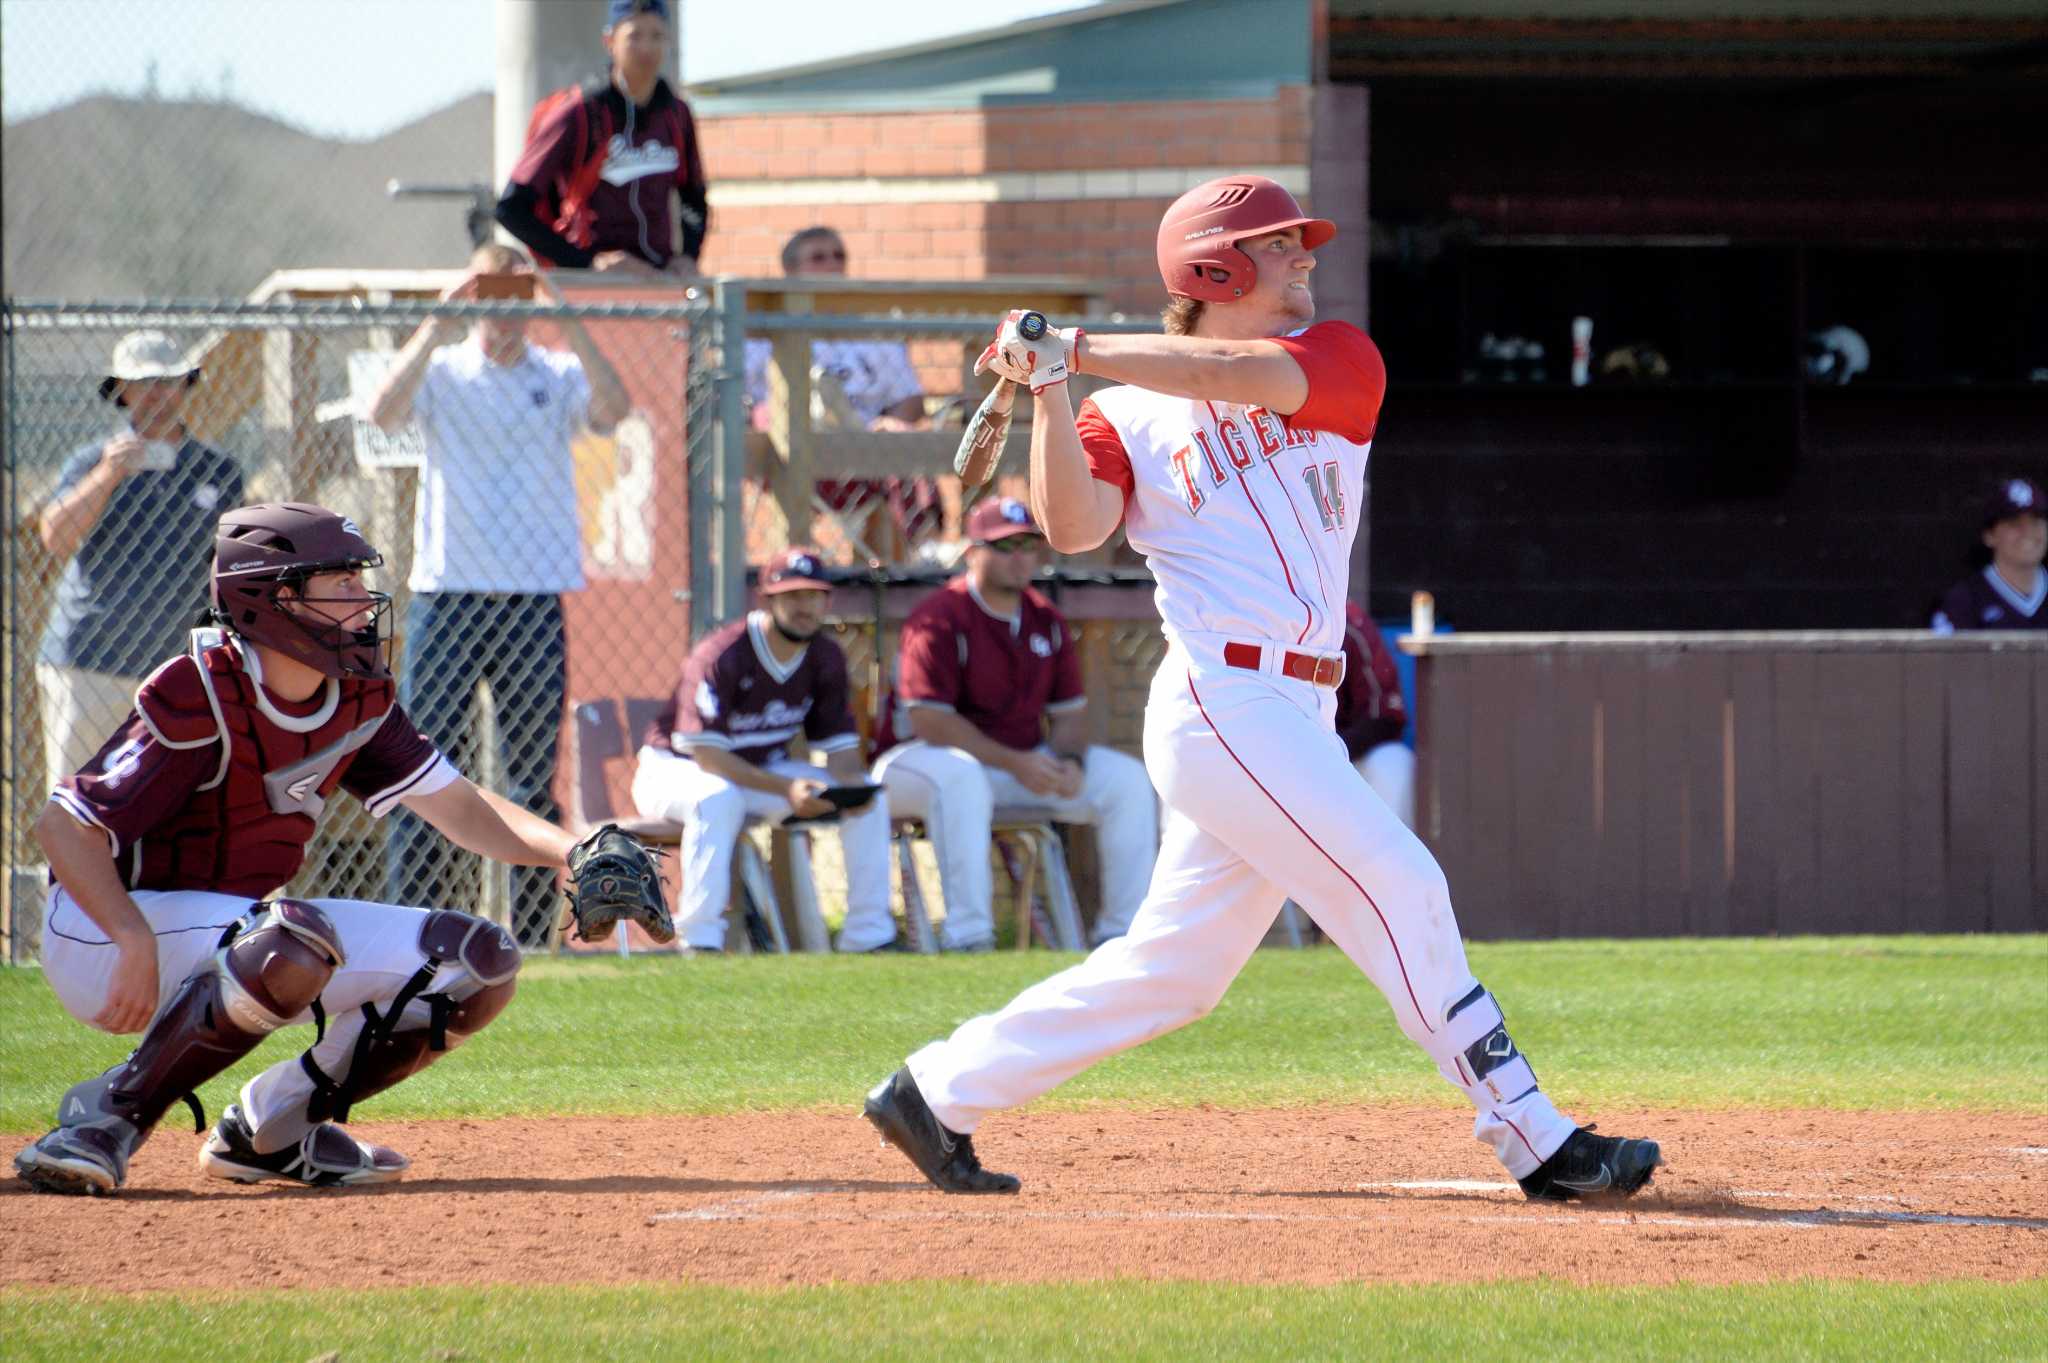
(165, 850)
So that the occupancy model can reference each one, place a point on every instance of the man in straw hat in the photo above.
(132, 520)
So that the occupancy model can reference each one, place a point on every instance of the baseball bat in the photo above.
(981, 444)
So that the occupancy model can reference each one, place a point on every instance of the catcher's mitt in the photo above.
(612, 875)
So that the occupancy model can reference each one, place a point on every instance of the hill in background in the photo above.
(117, 198)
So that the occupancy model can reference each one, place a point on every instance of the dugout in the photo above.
(1711, 182)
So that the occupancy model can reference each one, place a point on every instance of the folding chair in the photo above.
(1045, 866)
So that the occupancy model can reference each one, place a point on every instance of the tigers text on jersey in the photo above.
(1245, 517)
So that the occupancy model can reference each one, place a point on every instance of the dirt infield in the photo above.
(1312, 1196)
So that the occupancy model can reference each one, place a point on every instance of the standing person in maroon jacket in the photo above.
(990, 711)
(2011, 590)
(164, 851)
(598, 183)
(718, 754)
(1371, 716)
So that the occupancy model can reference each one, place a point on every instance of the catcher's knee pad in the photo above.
(269, 971)
(404, 1039)
(277, 963)
(1475, 1052)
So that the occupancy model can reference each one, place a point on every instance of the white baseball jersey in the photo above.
(1245, 517)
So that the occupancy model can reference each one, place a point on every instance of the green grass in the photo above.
(1923, 1022)
(1118, 1320)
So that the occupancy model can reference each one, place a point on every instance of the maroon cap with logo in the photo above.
(797, 569)
(998, 518)
(2015, 497)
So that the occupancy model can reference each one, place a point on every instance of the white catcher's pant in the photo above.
(713, 810)
(381, 942)
(1263, 806)
(955, 796)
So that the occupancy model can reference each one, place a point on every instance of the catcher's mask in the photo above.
(259, 550)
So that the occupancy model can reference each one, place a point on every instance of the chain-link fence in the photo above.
(525, 472)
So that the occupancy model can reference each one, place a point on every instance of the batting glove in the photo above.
(1039, 364)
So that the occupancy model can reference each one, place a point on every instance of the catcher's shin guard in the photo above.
(272, 969)
(394, 1046)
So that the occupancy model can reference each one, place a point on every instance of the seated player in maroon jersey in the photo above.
(165, 851)
(2011, 590)
(989, 711)
(718, 754)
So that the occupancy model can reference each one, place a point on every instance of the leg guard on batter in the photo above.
(416, 1026)
(271, 968)
(1473, 1050)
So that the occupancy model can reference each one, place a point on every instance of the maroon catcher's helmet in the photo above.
(258, 549)
(1198, 255)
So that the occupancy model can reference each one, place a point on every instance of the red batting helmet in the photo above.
(1198, 255)
(258, 549)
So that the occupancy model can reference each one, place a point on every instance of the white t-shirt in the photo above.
(875, 374)
(1246, 518)
(497, 505)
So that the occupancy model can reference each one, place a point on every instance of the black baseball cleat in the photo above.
(1590, 1166)
(945, 1157)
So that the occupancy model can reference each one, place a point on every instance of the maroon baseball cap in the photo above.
(2015, 497)
(1000, 518)
(796, 569)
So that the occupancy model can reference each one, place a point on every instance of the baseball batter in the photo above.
(165, 847)
(1234, 456)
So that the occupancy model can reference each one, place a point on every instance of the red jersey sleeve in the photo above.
(398, 762)
(928, 661)
(708, 683)
(551, 156)
(829, 722)
(136, 781)
(1347, 380)
(1108, 460)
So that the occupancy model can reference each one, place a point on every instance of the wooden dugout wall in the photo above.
(1707, 784)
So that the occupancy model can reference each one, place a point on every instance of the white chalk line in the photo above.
(755, 1208)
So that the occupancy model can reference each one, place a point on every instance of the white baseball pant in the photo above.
(381, 943)
(713, 811)
(956, 796)
(1263, 806)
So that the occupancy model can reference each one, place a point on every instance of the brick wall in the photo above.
(1039, 189)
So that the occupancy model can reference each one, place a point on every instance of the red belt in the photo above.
(1300, 666)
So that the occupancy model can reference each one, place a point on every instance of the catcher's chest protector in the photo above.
(245, 830)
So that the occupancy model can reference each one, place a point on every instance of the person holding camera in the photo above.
(718, 754)
(496, 541)
(132, 521)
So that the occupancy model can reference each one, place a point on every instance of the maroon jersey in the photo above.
(1001, 673)
(212, 784)
(1987, 601)
(736, 696)
(1370, 710)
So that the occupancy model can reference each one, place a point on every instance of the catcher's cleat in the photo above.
(77, 1160)
(945, 1157)
(1590, 1166)
(325, 1157)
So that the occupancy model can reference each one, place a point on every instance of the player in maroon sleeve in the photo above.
(2011, 590)
(164, 851)
(1372, 717)
(989, 711)
(718, 754)
(598, 184)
